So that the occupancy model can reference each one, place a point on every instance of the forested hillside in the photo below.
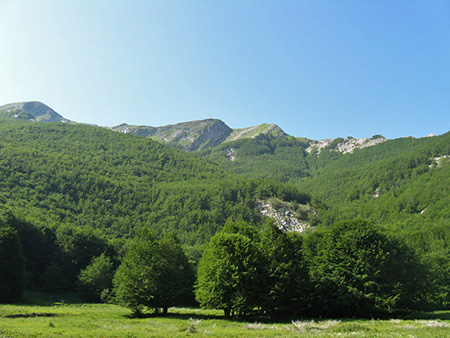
(402, 186)
(80, 196)
(389, 181)
(89, 176)
(73, 192)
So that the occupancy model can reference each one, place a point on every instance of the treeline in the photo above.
(350, 269)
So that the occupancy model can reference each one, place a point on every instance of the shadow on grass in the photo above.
(186, 316)
(44, 298)
(442, 315)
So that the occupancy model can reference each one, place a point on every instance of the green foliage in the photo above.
(84, 176)
(286, 280)
(154, 274)
(228, 274)
(246, 268)
(11, 264)
(357, 271)
(95, 280)
(264, 157)
(402, 186)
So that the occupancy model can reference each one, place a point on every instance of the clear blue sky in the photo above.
(318, 69)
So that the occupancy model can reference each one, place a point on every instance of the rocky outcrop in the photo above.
(439, 160)
(345, 146)
(285, 216)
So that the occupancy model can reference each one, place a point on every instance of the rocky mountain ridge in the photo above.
(191, 136)
(201, 134)
(188, 136)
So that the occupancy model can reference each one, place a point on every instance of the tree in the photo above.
(357, 271)
(11, 264)
(286, 276)
(154, 274)
(229, 273)
(96, 279)
(177, 279)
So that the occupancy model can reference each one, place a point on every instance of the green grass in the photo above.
(105, 320)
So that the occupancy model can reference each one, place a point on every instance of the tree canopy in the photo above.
(153, 274)
(358, 271)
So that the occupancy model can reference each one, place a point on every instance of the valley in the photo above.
(83, 195)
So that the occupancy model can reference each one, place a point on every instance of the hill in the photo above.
(346, 174)
(88, 176)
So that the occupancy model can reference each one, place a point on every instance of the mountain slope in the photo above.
(252, 132)
(32, 110)
(402, 181)
(412, 174)
(199, 135)
(188, 136)
(89, 176)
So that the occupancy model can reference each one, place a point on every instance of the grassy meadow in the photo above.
(55, 319)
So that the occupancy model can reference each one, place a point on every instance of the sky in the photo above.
(318, 69)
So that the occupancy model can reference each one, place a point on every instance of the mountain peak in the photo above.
(31, 110)
(187, 136)
(200, 134)
(252, 132)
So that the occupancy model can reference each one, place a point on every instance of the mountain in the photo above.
(397, 181)
(77, 181)
(32, 110)
(199, 135)
(188, 136)
(252, 132)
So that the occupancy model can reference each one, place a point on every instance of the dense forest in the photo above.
(73, 192)
(92, 201)
(402, 186)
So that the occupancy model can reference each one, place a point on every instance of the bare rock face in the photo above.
(350, 144)
(285, 216)
(345, 146)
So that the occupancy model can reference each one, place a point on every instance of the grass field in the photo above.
(104, 320)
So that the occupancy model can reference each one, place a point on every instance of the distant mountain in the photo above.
(194, 135)
(252, 132)
(199, 135)
(188, 136)
(32, 110)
